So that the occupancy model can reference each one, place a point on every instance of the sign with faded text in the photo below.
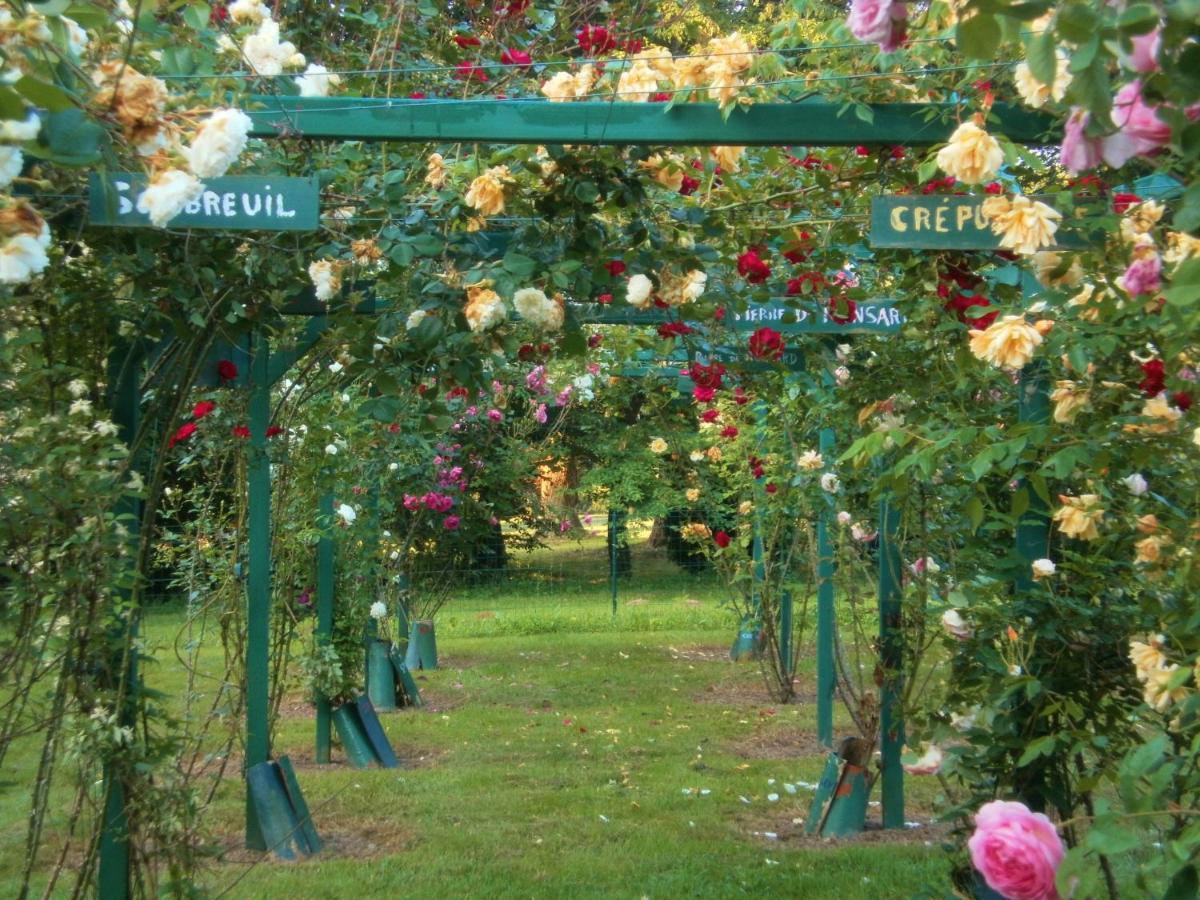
(232, 203)
(939, 222)
(808, 317)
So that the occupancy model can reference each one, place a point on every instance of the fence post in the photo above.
(258, 581)
(325, 575)
(891, 716)
(1033, 407)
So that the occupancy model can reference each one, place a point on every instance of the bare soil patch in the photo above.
(751, 692)
(779, 742)
(791, 833)
(359, 839)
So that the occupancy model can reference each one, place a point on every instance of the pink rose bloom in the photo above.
(929, 763)
(564, 396)
(536, 380)
(1017, 851)
(540, 414)
(881, 22)
(1144, 56)
(1141, 132)
(593, 368)
(450, 522)
(411, 502)
(472, 412)
(1079, 152)
(495, 415)
(1144, 275)
(564, 526)
(430, 500)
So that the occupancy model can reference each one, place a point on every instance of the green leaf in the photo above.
(974, 510)
(1184, 886)
(1038, 747)
(43, 94)
(1076, 22)
(72, 139)
(1042, 59)
(427, 244)
(1110, 838)
(51, 7)
(1185, 284)
(11, 105)
(197, 15)
(978, 37)
(518, 264)
(1141, 18)
(88, 16)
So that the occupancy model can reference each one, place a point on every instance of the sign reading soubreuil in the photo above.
(232, 203)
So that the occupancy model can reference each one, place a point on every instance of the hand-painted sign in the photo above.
(233, 203)
(809, 317)
(791, 358)
(942, 223)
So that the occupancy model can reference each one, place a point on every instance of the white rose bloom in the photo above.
(583, 386)
(843, 352)
(22, 257)
(226, 44)
(347, 513)
(694, 286)
(1136, 483)
(77, 38)
(335, 367)
(316, 81)
(248, 11)
(538, 309)
(1042, 568)
(264, 51)
(379, 610)
(218, 143)
(77, 388)
(326, 278)
(80, 407)
(20, 130)
(955, 625)
(964, 722)
(153, 142)
(415, 318)
(105, 428)
(844, 518)
(638, 291)
(331, 449)
(841, 375)
(169, 192)
(11, 162)
(830, 483)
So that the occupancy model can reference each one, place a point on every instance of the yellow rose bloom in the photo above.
(1007, 342)
(1049, 267)
(1157, 692)
(714, 454)
(692, 494)
(1149, 549)
(484, 308)
(667, 170)
(745, 508)
(1036, 94)
(1078, 516)
(1180, 246)
(436, 174)
(1146, 658)
(972, 156)
(728, 157)
(658, 445)
(637, 83)
(1025, 226)
(810, 460)
(1068, 399)
(486, 193)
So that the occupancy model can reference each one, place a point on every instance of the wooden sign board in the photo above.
(233, 203)
(815, 318)
(942, 223)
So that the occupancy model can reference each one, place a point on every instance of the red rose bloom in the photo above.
(710, 415)
(1122, 202)
(466, 40)
(766, 343)
(729, 431)
(1155, 381)
(615, 267)
(862, 150)
(751, 267)
(241, 431)
(661, 97)
(227, 370)
(466, 71)
(721, 539)
(688, 185)
(634, 45)
(604, 298)
(851, 308)
(674, 329)
(961, 305)
(596, 39)
(807, 283)
(1182, 399)
(771, 488)
(185, 431)
(719, 314)
(739, 396)
(273, 430)
(897, 152)
(594, 340)
(202, 409)
(994, 187)
(515, 57)
(416, 95)
(703, 394)
(706, 376)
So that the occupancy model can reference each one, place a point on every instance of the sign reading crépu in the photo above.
(232, 203)
(940, 222)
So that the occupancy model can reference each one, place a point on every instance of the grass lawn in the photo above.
(563, 752)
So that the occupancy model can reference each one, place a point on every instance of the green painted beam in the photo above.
(806, 123)
(258, 581)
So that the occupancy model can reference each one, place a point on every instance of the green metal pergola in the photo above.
(808, 123)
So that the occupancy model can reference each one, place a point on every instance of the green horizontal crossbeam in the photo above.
(805, 123)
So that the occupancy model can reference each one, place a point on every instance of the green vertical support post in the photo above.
(826, 681)
(258, 582)
(891, 717)
(612, 557)
(371, 545)
(113, 872)
(1033, 407)
(325, 570)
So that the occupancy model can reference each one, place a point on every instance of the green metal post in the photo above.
(826, 681)
(325, 571)
(612, 557)
(1033, 407)
(258, 582)
(113, 873)
(891, 717)
(371, 546)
